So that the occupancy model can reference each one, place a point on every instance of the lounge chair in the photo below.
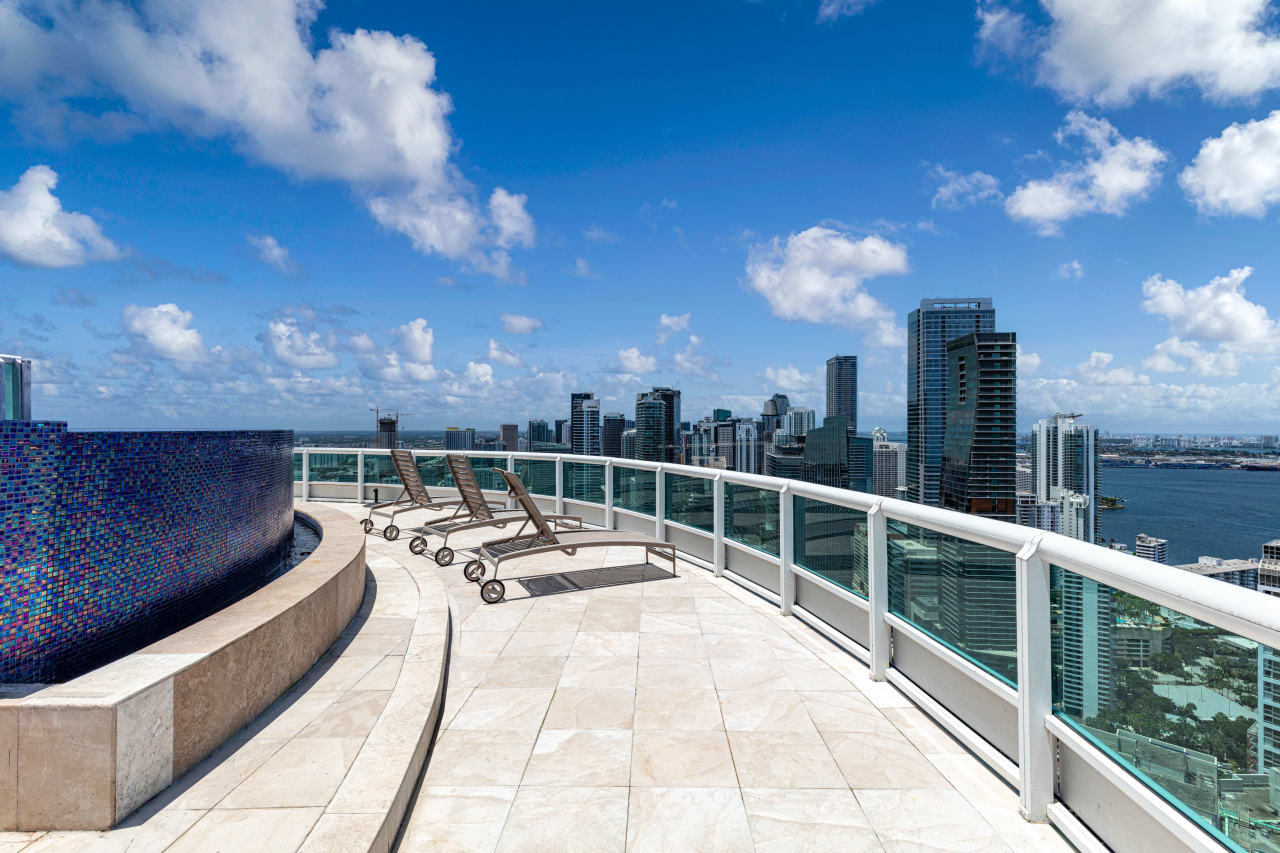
(415, 497)
(544, 540)
(479, 513)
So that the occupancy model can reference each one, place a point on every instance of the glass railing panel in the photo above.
(486, 470)
(831, 541)
(961, 593)
(691, 501)
(751, 516)
(1176, 702)
(433, 471)
(297, 467)
(584, 481)
(538, 476)
(635, 489)
(333, 467)
(379, 470)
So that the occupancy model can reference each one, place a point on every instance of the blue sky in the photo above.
(274, 213)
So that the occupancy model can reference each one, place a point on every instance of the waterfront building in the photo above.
(1151, 548)
(1064, 454)
(929, 329)
(459, 439)
(538, 431)
(15, 388)
(1042, 515)
(612, 426)
(658, 432)
(1269, 670)
(584, 424)
(509, 438)
(977, 474)
(890, 467)
(1233, 571)
(842, 389)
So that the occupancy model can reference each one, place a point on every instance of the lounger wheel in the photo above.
(444, 556)
(492, 591)
(417, 544)
(367, 525)
(391, 533)
(474, 571)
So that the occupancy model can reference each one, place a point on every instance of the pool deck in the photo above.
(594, 709)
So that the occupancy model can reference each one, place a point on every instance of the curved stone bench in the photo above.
(90, 751)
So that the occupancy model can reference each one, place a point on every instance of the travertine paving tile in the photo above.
(303, 772)
(845, 712)
(783, 760)
(484, 757)
(806, 820)
(526, 643)
(613, 671)
(708, 820)
(506, 708)
(749, 674)
(682, 759)
(248, 829)
(669, 623)
(672, 646)
(566, 820)
(923, 732)
(577, 757)
(910, 821)
(451, 819)
(511, 671)
(882, 761)
(677, 709)
(606, 644)
(591, 708)
(674, 673)
(764, 711)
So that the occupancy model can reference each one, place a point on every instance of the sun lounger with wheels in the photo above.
(479, 513)
(543, 540)
(415, 497)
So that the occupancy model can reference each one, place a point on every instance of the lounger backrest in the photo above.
(468, 487)
(407, 471)
(518, 492)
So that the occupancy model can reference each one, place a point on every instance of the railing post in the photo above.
(660, 503)
(559, 486)
(360, 477)
(786, 550)
(306, 475)
(608, 494)
(511, 466)
(878, 591)
(1035, 684)
(717, 526)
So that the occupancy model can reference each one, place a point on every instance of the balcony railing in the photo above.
(1069, 669)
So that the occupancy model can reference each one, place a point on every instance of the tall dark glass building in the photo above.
(539, 432)
(842, 389)
(658, 434)
(979, 474)
(929, 328)
(584, 424)
(612, 425)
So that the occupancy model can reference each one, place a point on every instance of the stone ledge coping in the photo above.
(85, 754)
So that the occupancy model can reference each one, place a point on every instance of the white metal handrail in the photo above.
(1231, 608)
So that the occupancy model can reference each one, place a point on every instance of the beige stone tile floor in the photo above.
(267, 787)
(673, 714)
(683, 714)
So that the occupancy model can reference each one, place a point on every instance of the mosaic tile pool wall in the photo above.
(106, 537)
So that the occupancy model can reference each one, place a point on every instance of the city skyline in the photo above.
(203, 255)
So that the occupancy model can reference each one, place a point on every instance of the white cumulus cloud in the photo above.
(957, 190)
(166, 330)
(582, 269)
(34, 229)
(520, 324)
(502, 355)
(1111, 52)
(1118, 171)
(358, 106)
(833, 10)
(791, 378)
(270, 252)
(1238, 171)
(303, 350)
(690, 362)
(670, 324)
(634, 361)
(817, 275)
(1070, 269)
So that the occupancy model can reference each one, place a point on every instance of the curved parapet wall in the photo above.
(112, 538)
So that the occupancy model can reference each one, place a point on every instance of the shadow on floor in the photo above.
(584, 579)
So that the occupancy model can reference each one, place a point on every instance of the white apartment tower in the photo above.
(889, 472)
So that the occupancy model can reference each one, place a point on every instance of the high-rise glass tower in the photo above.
(584, 424)
(929, 328)
(15, 388)
(1064, 456)
(539, 432)
(658, 434)
(842, 389)
(978, 474)
(612, 425)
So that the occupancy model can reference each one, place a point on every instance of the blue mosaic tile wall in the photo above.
(109, 538)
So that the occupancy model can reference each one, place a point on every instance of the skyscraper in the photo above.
(562, 431)
(538, 431)
(890, 472)
(842, 389)
(584, 424)
(612, 425)
(459, 439)
(1064, 456)
(929, 328)
(1269, 668)
(978, 473)
(798, 421)
(628, 444)
(15, 388)
(509, 437)
(748, 449)
(658, 435)
(773, 411)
